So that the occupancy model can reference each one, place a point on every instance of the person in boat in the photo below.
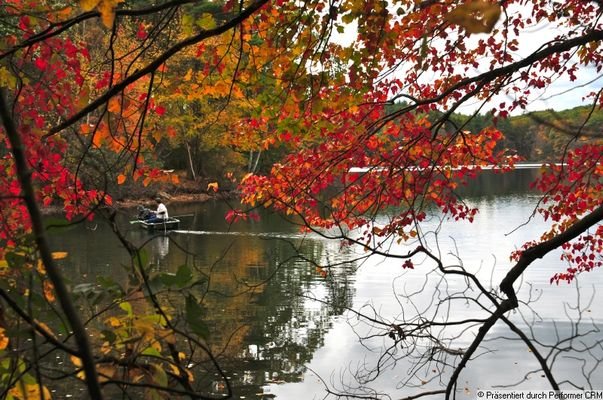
(161, 215)
(144, 213)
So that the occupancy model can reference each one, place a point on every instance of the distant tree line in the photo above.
(541, 136)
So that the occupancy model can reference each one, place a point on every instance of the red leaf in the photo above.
(142, 33)
(41, 64)
(24, 22)
(160, 110)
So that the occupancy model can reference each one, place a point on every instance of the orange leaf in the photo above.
(121, 178)
(3, 339)
(114, 105)
(59, 255)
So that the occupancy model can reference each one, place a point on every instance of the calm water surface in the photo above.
(290, 329)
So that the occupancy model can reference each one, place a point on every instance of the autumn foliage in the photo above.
(354, 98)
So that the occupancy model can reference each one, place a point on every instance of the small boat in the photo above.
(167, 225)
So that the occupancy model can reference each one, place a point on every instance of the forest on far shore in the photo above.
(542, 136)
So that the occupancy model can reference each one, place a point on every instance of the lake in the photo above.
(283, 306)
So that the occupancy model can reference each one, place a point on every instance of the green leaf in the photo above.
(143, 256)
(15, 260)
(183, 276)
(187, 24)
(28, 379)
(159, 375)
(151, 351)
(256, 40)
(348, 18)
(167, 279)
(107, 283)
(206, 21)
(193, 316)
(108, 336)
(127, 307)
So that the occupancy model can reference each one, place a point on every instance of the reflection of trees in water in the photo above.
(262, 324)
(491, 184)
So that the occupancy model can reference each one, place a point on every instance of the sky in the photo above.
(562, 94)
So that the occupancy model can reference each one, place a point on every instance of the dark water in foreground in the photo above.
(290, 329)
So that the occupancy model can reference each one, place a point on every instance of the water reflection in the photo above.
(277, 302)
(262, 324)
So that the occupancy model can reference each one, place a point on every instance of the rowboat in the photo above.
(167, 225)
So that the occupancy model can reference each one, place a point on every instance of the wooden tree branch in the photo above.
(156, 63)
(506, 286)
(36, 326)
(24, 177)
(57, 28)
(481, 80)
(540, 250)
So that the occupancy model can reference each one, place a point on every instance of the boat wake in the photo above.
(268, 235)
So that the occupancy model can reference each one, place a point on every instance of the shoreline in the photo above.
(127, 204)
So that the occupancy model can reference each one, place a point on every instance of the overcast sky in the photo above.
(562, 94)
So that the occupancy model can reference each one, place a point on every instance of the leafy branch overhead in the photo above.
(348, 118)
(106, 8)
(476, 16)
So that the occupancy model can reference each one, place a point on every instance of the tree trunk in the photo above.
(191, 165)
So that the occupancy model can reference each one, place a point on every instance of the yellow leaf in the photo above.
(213, 186)
(59, 255)
(189, 75)
(76, 361)
(107, 11)
(6, 78)
(169, 337)
(29, 391)
(121, 178)
(477, 16)
(175, 369)
(157, 135)
(88, 5)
